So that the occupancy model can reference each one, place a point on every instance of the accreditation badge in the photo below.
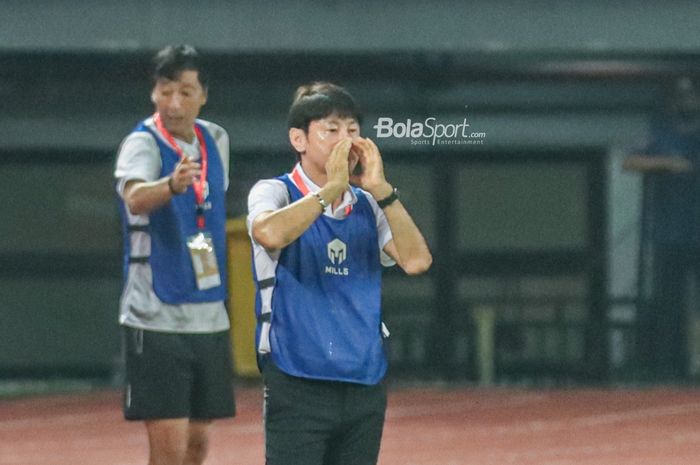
(206, 269)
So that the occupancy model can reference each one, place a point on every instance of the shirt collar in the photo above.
(185, 145)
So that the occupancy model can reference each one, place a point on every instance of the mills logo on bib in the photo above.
(337, 253)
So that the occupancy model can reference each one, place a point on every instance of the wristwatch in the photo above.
(391, 198)
(321, 200)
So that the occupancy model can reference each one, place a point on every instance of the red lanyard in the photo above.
(299, 182)
(198, 185)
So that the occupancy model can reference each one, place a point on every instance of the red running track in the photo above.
(427, 426)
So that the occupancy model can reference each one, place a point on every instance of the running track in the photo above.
(426, 426)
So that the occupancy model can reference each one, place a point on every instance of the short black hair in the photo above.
(319, 100)
(171, 61)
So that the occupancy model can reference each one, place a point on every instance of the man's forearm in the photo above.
(144, 197)
(414, 257)
(657, 163)
(277, 229)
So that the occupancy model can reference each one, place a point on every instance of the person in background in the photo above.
(671, 211)
(172, 174)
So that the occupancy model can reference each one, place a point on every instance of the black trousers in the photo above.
(311, 422)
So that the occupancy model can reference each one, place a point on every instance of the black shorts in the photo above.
(310, 422)
(177, 375)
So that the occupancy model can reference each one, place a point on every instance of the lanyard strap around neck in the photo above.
(199, 184)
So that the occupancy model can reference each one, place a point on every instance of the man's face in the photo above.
(325, 133)
(179, 103)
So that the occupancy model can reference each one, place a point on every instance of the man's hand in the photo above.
(337, 173)
(184, 175)
(371, 177)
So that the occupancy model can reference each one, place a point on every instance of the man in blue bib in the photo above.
(172, 174)
(320, 236)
